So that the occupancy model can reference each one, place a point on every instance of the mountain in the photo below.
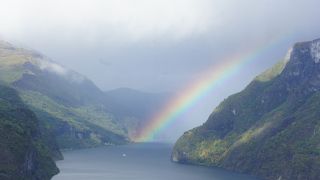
(23, 153)
(70, 106)
(271, 129)
(134, 108)
(65, 102)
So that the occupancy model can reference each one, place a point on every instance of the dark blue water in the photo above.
(149, 161)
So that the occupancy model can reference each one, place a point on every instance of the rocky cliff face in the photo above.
(23, 153)
(271, 129)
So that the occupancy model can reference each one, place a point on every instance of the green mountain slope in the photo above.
(271, 129)
(67, 103)
(23, 155)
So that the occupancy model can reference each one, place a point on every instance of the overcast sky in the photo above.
(158, 45)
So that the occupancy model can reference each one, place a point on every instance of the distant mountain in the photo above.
(23, 153)
(71, 106)
(270, 129)
(134, 108)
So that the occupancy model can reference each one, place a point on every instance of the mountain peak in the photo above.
(30, 62)
(300, 57)
(308, 50)
(303, 64)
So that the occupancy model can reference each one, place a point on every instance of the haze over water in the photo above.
(150, 161)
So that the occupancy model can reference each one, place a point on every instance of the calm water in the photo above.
(134, 162)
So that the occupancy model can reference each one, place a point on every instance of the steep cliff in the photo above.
(270, 129)
(23, 153)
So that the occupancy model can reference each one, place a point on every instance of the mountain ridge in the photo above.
(64, 100)
(270, 129)
(71, 105)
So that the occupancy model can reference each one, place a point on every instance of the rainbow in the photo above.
(199, 89)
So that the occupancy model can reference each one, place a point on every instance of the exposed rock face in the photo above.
(271, 129)
(315, 51)
(23, 154)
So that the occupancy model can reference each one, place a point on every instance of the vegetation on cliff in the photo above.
(23, 153)
(270, 129)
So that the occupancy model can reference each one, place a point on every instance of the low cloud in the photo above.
(125, 20)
